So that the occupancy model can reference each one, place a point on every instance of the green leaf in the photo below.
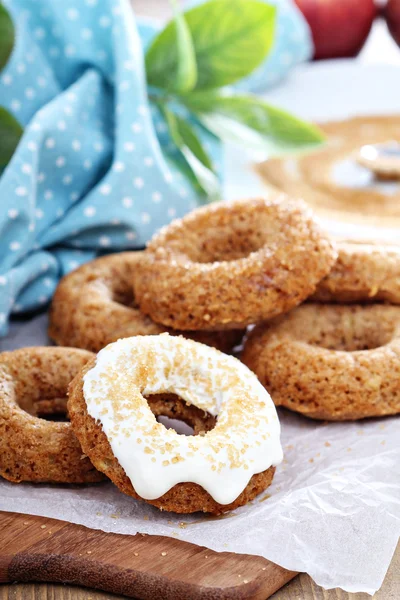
(176, 38)
(230, 38)
(186, 140)
(6, 36)
(10, 134)
(192, 141)
(186, 76)
(243, 117)
(180, 163)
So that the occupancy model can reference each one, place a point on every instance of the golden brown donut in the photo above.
(330, 362)
(363, 272)
(94, 306)
(230, 264)
(31, 448)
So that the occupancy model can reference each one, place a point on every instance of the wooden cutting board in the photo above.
(141, 566)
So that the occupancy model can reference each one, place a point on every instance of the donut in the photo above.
(35, 381)
(222, 468)
(332, 362)
(330, 180)
(94, 306)
(230, 264)
(362, 273)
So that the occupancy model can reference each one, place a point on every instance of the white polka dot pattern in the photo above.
(94, 170)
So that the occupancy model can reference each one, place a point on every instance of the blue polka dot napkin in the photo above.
(91, 173)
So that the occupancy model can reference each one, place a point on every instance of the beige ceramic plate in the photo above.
(350, 202)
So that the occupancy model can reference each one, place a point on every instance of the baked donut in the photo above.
(363, 272)
(329, 361)
(94, 306)
(230, 264)
(35, 381)
(217, 471)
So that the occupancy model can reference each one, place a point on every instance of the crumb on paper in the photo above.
(327, 445)
(265, 497)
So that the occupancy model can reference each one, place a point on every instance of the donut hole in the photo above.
(233, 239)
(54, 409)
(126, 298)
(49, 409)
(122, 293)
(353, 334)
(174, 413)
(39, 397)
(176, 424)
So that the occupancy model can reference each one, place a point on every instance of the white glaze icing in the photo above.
(245, 440)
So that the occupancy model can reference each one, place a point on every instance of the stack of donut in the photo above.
(337, 357)
(164, 321)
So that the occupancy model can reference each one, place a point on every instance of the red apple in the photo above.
(392, 14)
(339, 27)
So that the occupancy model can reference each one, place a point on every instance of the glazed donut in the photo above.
(215, 472)
(330, 362)
(362, 273)
(230, 264)
(35, 381)
(94, 306)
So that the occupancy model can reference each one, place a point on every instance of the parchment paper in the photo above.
(332, 511)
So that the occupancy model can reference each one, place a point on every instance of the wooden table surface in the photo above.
(380, 48)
